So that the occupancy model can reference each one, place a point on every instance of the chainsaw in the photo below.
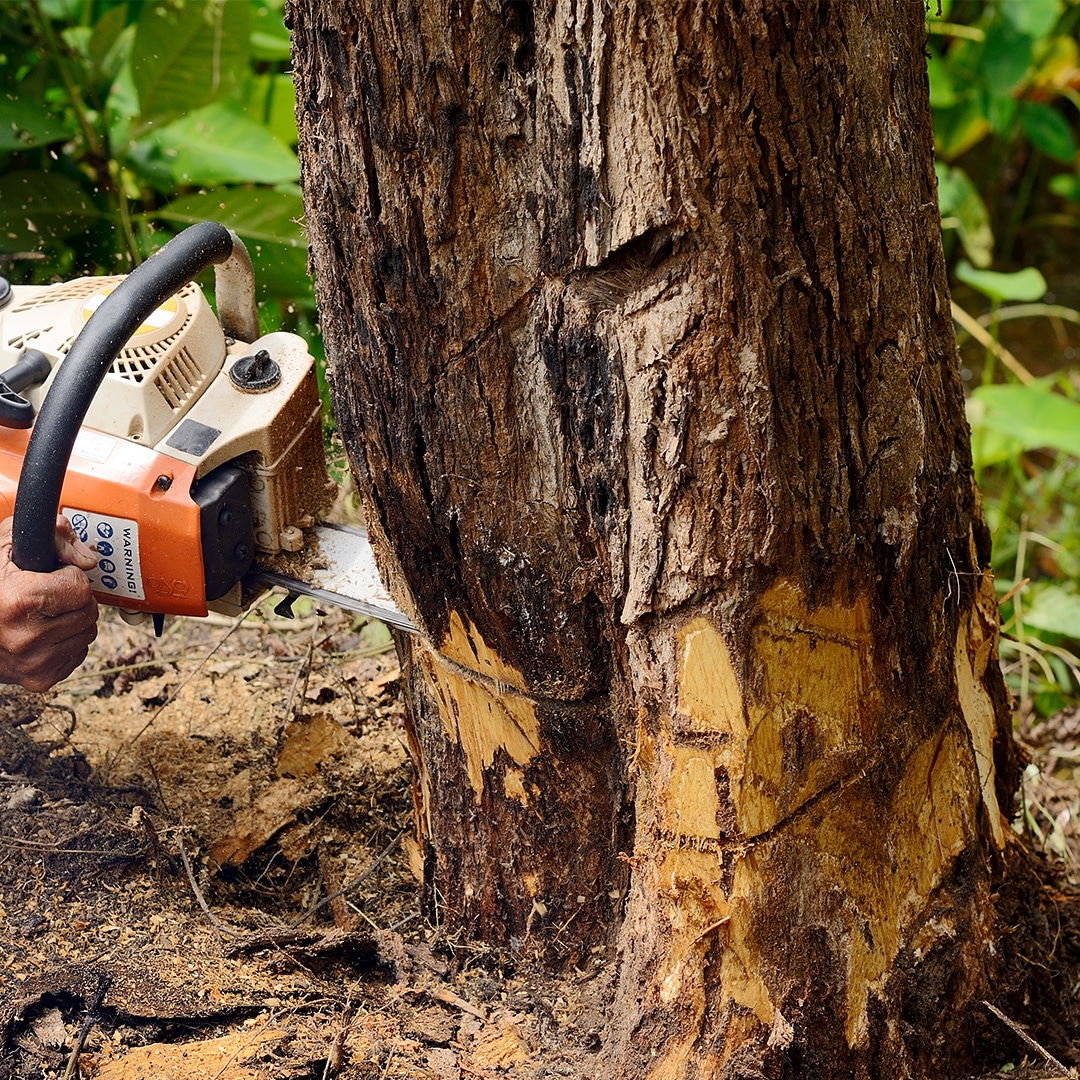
(185, 447)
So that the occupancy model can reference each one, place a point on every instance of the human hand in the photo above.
(47, 621)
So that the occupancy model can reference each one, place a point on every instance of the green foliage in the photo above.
(1003, 89)
(125, 121)
(122, 123)
(1026, 284)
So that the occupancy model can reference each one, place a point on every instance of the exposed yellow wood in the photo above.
(466, 647)
(709, 692)
(514, 786)
(886, 858)
(817, 712)
(689, 883)
(976, 637)
(742, 972)
(866, 859)
(691, 804)
(478, 713)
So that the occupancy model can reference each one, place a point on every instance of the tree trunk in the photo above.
(639, 337)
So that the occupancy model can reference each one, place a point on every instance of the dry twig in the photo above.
(214, 922)
(104, 982)
(1032, 1044)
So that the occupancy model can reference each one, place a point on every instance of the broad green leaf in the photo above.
(1054, 609)
(1066, 184)
(77, 38)
(963, 208)
(186, 54)
(271, 99)
(1001, 111)
(37, 208)
(1034, 416)
(25, 122)
(68, 10)
(1006, 56)
(989, 447)
(122, 107)
(268, 222)
(1035, 18)
(958, 129)
(269, 38)
(1025, 285)
(1048, 131)
(221, 144)
(942, 92)
(110, 43)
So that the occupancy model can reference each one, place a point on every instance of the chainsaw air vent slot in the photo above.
(131, 367)
(22, 342)
(69, 290)
(179, 378)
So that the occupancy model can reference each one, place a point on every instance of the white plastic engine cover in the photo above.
(154, 380)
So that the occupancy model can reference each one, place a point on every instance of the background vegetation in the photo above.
(121, 123)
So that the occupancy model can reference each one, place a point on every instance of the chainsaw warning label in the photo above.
(115, 541)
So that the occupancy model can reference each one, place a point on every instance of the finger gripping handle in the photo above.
(77, 379)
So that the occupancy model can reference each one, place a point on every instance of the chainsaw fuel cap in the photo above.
(255, 374)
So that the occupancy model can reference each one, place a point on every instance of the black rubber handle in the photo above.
(32, 370)
(77, 379)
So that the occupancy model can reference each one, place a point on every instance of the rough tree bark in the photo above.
(640, 343)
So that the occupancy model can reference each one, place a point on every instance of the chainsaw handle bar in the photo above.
(77, 379)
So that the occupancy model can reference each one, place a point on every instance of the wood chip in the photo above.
(226, 1058)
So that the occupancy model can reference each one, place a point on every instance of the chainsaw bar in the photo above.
(337, 567)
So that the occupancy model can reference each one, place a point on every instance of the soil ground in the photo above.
(207, 872)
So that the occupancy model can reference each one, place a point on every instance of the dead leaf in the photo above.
(49, 1029)
(381, 682)
(443, 1065)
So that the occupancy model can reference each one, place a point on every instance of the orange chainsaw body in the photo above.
(148, 544)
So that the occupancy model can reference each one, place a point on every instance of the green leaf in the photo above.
(38, 208)
(1006, 56)
(110, 43)
(1001, 111)
(1025, 285)
(268, 222)
(271, 99)
(1034, 18)
(269, 38)
(186, 54)
(221, 144)
(1034, 416)
(962, 208)
(988, 447)
(1048, 131)
(958, 129)
(25, 122)
(1067, 185)
(1054, 609)
(942, 92)
(65, 10)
